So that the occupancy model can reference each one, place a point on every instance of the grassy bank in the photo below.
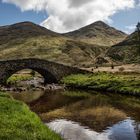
(121, 83)
(17, 122)
(20, 77)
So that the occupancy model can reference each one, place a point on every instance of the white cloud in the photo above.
(139, 3)
(130, 28)
(29, 4)
(67, 15)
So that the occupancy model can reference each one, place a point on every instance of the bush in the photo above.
(121, 69)
(35, 44)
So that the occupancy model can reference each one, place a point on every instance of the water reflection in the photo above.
(124, 130)
(70, 130)
(27, 96)
(104, 114)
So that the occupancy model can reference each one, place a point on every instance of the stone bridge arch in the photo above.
(51, 71)
(48, 76)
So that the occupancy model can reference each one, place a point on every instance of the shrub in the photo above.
(35, 44)
(121, 69)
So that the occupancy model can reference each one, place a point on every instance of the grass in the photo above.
(17, 122)
(122, 83)
(19, 77)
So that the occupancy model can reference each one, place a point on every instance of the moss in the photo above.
(17, 122)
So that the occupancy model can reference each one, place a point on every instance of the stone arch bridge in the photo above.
(51, 71)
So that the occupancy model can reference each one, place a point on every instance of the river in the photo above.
(86, 115)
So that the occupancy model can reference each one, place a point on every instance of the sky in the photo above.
(68, 15)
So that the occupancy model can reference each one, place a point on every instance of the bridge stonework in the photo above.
(51, 71)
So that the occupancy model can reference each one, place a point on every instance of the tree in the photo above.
(138, 27)
(138, 30)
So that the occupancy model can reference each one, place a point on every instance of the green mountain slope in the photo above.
(128, 51)
(24, 40)
(98, 33)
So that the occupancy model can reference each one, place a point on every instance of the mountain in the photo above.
(127, 51)
(23, 30)
(98, 33)
(28, 40)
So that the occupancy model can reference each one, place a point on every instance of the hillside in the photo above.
(98, 33)
(127, 51)
(23, 30)
(26, 39)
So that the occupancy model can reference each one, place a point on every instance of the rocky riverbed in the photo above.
(33, 84)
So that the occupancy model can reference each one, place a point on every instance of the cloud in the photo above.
(77, 3)
(68, 15)
(139, 3)
(129, 29)
(25, 5)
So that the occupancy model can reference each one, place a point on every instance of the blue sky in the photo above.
(124, 18)
(10, 14)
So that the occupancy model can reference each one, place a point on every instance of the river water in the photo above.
(90, 115)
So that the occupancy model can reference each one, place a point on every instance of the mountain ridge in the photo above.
(127, 51)
(29, 40)
(98, 33)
